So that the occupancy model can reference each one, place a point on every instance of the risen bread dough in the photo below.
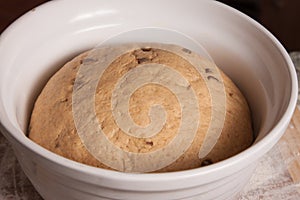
(53, 125)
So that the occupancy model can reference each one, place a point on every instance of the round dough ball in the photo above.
(141, 108)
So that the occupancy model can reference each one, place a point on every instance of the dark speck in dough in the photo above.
(88, 61)
(207, 70)
(206, 162)
(186, 50)
(212, 77)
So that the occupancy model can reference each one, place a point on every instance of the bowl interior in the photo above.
(35, 47)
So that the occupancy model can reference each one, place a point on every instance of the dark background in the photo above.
(281, 17)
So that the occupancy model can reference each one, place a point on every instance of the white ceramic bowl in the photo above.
(33, 48)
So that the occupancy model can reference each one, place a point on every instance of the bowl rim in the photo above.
(256, 149)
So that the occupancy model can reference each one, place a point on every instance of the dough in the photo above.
(141, 96)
